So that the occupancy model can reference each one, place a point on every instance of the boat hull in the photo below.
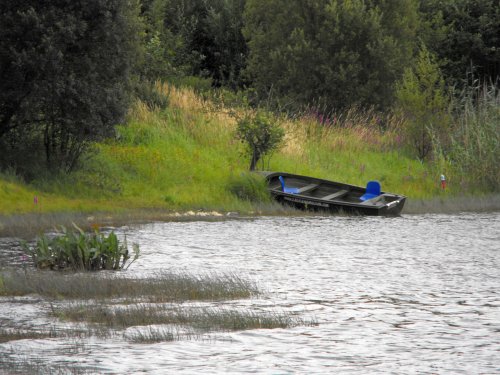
(348, 201)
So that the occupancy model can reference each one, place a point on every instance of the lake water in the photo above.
(411, 294)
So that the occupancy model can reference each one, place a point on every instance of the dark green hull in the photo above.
(322, 195)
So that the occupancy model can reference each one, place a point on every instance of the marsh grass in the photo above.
(12, 363)
(28, 366)
(475, 142)
(157, 333)
(203, 319)
(249, 187)
(155, 308)
(7, 335)
(53, 331)
(160, 287)
(29, 225)
(152, 335)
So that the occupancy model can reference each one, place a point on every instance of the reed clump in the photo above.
(151, 335)
(475, 142)
(52, 332)
(107, 306)
(77, 250)
(203, 319)
(7, 335)
(12, 364)
(160, 287)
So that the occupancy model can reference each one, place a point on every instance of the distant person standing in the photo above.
(443, 182)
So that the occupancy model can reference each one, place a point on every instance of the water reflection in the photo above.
(410, 294)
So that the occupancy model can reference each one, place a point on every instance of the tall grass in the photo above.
(156, 307)
(354, 147)
(475, 143)
(204, 319)
(161, 287)
(186, 157)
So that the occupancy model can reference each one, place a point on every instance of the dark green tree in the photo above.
(202, 37)
(465, 35)
(64, 68)
(226, 55)
(332, 54)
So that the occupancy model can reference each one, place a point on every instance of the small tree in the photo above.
(422, 99)
(260, 134)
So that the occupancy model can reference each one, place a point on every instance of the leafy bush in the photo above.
(82, 251)
(249, 187)
(260, 134)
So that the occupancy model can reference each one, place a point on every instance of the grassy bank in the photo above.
(186, 157)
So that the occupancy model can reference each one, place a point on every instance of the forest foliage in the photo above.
(64, 77)
(70, 70)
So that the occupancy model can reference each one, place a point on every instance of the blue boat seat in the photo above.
(287, 189)
(373, 190)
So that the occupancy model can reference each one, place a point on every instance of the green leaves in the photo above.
(464, 35)
(260, 133)
(78, 250)
(424, 101)
(63, 79)
(329, 54)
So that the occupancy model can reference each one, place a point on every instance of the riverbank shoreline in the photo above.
(29, 225)
(453, 205)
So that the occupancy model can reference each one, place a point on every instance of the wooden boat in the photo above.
(316, 194)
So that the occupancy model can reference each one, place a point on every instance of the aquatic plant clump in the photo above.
(80, 251)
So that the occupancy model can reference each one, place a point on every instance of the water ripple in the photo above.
(414, 294)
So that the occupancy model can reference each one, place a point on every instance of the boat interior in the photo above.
(328, 191)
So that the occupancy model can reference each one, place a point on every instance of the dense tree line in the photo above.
(331, 54)
(465, 36)
(67, 68)
(197, 37)
(328, 54)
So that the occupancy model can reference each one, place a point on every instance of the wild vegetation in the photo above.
(202, 319)
(64, 73)
(77, 250)
(162, 307)
(160, 287)
(358, 90)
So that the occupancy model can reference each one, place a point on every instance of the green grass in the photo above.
(186, 157)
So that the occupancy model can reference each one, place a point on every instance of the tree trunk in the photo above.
(255, 159)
